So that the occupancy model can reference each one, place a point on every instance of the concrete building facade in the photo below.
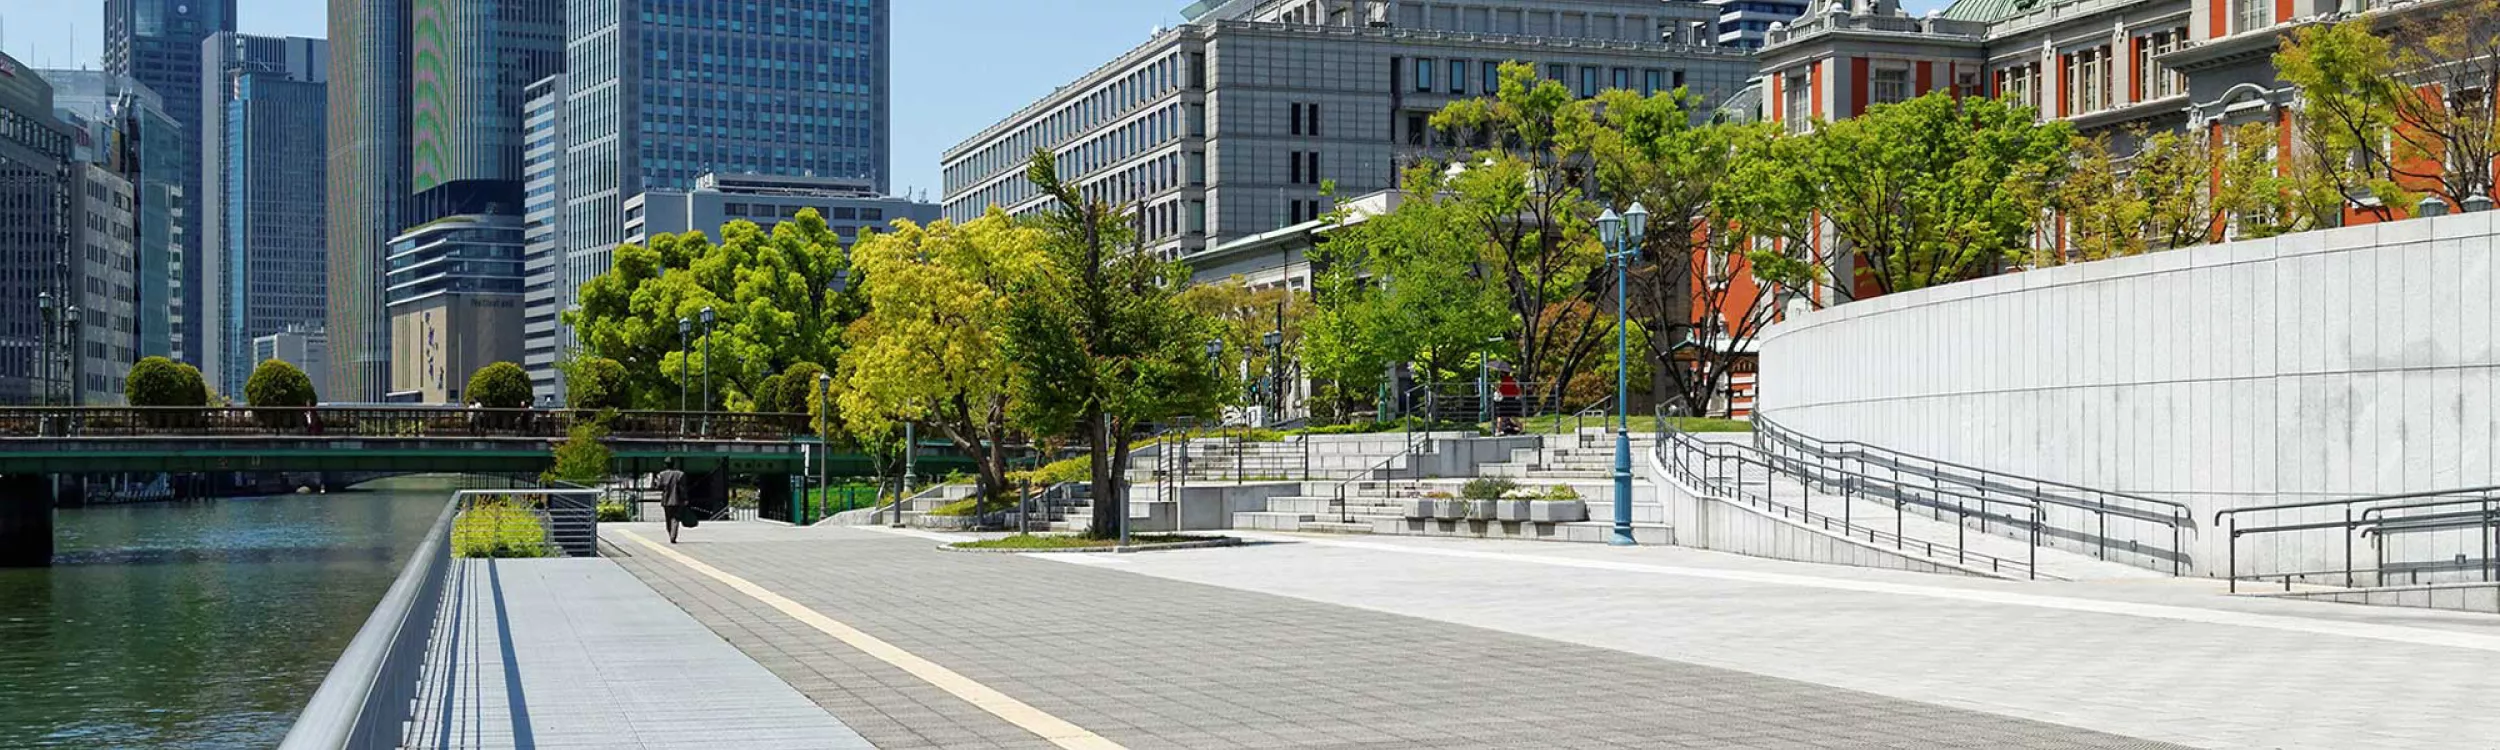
(659, 92)
(157, 43)
(1230, 125)
(849, 207)
(141, 141)
(305, 347)
(36, 184)
(368, 186)
(454, 295)
(104, 331)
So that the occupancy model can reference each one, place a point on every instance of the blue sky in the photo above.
(959, 65)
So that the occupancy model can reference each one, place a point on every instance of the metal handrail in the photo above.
(1674, 447)
(2177, 516)
(1346, 514)
(369, 694)
(389, 421)
(2368, 523)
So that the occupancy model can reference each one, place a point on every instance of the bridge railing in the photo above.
(369, 691)
(385, 422)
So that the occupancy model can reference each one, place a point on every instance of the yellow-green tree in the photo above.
(932, 347)
(1243, 318)
(2400, 101)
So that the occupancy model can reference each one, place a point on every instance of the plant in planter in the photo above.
(1483, 497)
(1428, 505)
(1558, 504)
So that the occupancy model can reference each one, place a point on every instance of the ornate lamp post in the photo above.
(685, 328)
(1622, 236)
(43, 349)
(707, 372)
(1275, 341)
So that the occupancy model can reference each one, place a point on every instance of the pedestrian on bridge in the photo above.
(672, 484)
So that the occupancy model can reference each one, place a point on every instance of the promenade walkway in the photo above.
(575, 653)
(915, 647)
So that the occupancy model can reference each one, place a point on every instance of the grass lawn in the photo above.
(1063, 541)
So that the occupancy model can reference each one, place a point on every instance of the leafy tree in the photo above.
(1404, 287)
(502, 385)
(1933, 190)
(932, 348)
(1518, 204)
(2105, 214)
(157, 381)
(2402, 101)
(1243, 317)
(798, 388)
(779, 299)
(1098, 339)
(277, 383)
(583, 458)
(594, 383)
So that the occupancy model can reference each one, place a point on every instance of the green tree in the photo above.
(1099, 341)
(583, 458)
(502, 385)
(1243, 317)
(779, 299)
(2400, 101)
(798, 388)
(932, 348)
(2106, 215)
(594, 384)
(1404, 287)
(1933, 190)
(157, 381)
(1517, 202)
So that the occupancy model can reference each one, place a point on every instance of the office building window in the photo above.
(1492, 77)
(1423, 74)
(1623, 78)
(1652, 81)
(2154, 81)
(1588, 80)
(1297, 118)
(1414, 130)
(1799, 96)
(1293, 165)
(1458, 76)
(1311, 111)
(2252, 15)
(1558, 72)
(1891, 85)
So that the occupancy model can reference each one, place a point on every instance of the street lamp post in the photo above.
(824, 433)
(43, 349)
(685, 329)
(707, 372)
(1622, 236)
(1275, 374)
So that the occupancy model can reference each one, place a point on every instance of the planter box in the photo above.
(1511, 510)
(1420, 507)
(1449, 510)
(1481, 510)
(1565, 511)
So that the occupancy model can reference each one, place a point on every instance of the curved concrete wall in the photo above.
(2351, 362)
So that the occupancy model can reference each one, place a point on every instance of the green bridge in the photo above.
(39, 443)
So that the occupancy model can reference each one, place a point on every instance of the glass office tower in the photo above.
(157, 43)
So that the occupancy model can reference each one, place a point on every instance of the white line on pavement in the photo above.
(1058, 731)
(2395, 633)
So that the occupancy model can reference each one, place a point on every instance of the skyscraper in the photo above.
(272, 269)
(427, 126)
(157, 43)
(368, 176)
(36, 177)
(228, 59)
(658, 92)
(147, 147)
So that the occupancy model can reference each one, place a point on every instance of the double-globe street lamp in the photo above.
(707, 371)
(1622, 236)
(685, 330)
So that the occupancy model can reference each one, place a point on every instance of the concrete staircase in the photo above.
(1583, 460)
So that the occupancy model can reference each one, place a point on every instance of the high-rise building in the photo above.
(848, 207)
(147, 146)
(1230, 125)
(434, 128)
(1745, 23)
(453, 288)
(272, 266)
(36, 184)
(226, 59)
(658, 92)
(102, 330)
(368, 176)
(543, 336)
(157, 43)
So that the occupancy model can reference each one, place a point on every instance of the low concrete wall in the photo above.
(1203, 507)
(1705, 522)
(2463, 597)
(2350, 362)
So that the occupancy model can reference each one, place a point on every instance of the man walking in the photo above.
(672, 484)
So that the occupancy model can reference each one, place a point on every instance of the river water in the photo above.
(201, 624)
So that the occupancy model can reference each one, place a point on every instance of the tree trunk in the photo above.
(1107, 503)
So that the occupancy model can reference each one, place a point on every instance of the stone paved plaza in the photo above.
(1335, 642)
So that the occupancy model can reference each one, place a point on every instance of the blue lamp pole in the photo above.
(1622, 237)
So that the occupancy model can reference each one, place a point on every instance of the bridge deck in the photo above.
(577, 653)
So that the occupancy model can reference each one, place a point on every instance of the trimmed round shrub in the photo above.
(595, 383)
(157, 381)
(277, 383)
(502, 385)
(768, 395)
(278, 392)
